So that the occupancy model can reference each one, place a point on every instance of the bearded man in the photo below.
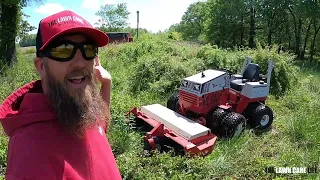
(57, 125)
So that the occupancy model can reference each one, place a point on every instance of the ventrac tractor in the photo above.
(209, 105)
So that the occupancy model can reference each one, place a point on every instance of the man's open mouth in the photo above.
(77, 79)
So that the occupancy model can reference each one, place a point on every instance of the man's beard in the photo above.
(78, 110)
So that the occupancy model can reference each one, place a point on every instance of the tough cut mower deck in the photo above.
(194, 137)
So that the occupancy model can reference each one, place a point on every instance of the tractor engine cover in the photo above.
(203, 91)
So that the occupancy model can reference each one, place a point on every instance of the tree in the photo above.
(24, 27)
(113, 17)
(228, 22)
(9, 22)
(28, 40)
(10, 19)
(192, 23)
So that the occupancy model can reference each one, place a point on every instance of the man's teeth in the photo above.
(78, 77)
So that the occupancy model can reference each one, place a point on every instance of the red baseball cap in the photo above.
(67, 22)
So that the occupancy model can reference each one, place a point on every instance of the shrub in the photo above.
(175, 36)
(158, 73)
(284, 74)
(159, 64)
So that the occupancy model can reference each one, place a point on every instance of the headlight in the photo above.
(197, 87)
(185, 83)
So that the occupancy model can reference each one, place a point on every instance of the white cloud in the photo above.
(96, 4)
(109, 2)
(50, 8)
(93, 19)
(90, 4)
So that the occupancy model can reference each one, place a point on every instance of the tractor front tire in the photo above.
(214, 120)
(262, 117)
(173, 102)
(232, 125)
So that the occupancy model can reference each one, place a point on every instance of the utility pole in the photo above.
(137, 24)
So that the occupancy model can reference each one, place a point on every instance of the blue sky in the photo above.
(155, 15)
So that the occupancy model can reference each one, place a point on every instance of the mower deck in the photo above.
(195, 138)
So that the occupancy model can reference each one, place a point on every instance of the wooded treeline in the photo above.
(292, 25)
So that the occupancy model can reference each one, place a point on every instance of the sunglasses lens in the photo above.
(90, 50)
(62, 51)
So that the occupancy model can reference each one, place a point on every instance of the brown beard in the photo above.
(77, 110)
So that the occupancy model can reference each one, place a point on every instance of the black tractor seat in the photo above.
(250, 74)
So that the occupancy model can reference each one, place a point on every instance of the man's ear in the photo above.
(39, 65)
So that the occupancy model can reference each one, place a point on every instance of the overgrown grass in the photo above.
(149, 70)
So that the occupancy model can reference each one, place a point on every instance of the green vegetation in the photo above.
(150, 69)
(293, 25)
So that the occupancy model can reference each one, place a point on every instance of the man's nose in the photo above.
(78, 59)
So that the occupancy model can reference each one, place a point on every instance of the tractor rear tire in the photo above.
(250, 108)
(214, 120)
(173, 102)
(262, 117)
(232, 125)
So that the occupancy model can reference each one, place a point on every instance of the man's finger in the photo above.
(97, 61)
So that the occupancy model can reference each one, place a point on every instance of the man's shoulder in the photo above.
(36, 134)
(29, 153)
(33, 139)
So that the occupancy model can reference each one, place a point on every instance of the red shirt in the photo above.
(38, 149)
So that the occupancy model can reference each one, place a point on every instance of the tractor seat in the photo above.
(250, 74)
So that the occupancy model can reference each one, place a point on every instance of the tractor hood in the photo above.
(205, 76)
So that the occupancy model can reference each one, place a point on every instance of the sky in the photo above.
(154, 15)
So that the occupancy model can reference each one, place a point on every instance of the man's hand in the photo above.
(103, 75)
(105, 78)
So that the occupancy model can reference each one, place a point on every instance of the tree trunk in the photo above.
(8, 33)
(234, 41)
(279, 39)
(316, 31)
(280, 46)
(297, 31)
(306, 40)
(298, 39)
(269, 33)
(270, 25)
(252, 27)
(242, 33)
(288, 32)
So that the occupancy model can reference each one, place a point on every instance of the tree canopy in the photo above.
(113, 17)
(293, 25)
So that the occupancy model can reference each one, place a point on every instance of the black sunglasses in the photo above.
(65, 50)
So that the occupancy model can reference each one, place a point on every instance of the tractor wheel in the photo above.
(173, 102)
(232, 125)
(250, 108)
(262, 117)
(215, 119)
